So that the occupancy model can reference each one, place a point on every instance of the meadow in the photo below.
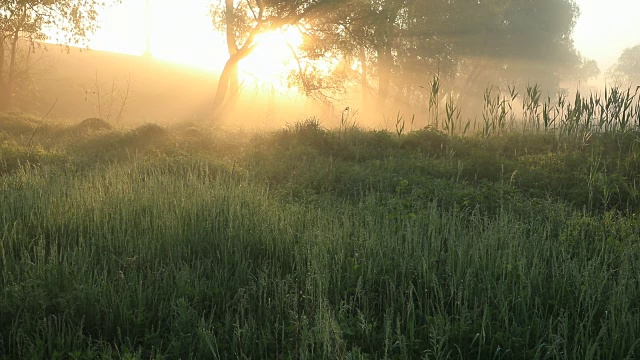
(516, 236)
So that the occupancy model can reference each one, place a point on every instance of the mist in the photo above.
(463, 53)
(130, 90)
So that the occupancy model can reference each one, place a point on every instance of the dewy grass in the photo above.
(180, 259)
(311, 244)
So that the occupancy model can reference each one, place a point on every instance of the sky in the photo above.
(181, 33)
(605, 28)
(184, 33)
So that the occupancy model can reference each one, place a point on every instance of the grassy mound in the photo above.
(93, 124)
(16, 124)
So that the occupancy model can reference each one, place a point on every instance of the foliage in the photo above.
(627, 69)
(585, 70)
(70, 21)
(244, 22)
(402, 45)
(508, 41)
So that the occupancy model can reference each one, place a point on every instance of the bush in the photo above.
(93, 124)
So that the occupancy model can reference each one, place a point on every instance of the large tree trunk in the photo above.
(12, 62)
(228, 86)
(11, 72)
(232, 45)
(384, 35)
(4, 94)
(363, 77)
(228, 72)
(385, 61)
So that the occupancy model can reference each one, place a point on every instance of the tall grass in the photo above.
(184, 259)
(307, 243)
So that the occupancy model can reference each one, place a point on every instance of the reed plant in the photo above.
(616, 110)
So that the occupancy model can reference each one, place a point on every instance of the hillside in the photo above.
(159, 91)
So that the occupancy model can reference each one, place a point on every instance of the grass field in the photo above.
(307, 243)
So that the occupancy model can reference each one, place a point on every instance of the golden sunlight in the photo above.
(273, 58)
(181, 34)
(177, 35)
(184, 34)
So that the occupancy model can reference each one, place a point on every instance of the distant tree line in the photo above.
(400, 45)
(627, 69)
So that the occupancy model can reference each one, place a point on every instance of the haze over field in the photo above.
(468, 53)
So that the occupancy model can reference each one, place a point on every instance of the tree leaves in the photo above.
(627, 68)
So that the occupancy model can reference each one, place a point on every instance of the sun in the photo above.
(184, 34)
(192, 40)
(273, 58)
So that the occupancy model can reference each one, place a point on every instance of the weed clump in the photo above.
(309, 133)
(148, 135)
(428, 141)
(17, 124)
(151, 131)
(93, 125)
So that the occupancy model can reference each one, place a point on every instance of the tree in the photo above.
(400, 45)
(469, 43)
(243, 21)
(627, 69)
(69, 20)
(478, 42)
(585, 70)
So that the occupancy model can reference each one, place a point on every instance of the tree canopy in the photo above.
(69, 21)
(243, 21)
(627, 69)
(400, 45)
